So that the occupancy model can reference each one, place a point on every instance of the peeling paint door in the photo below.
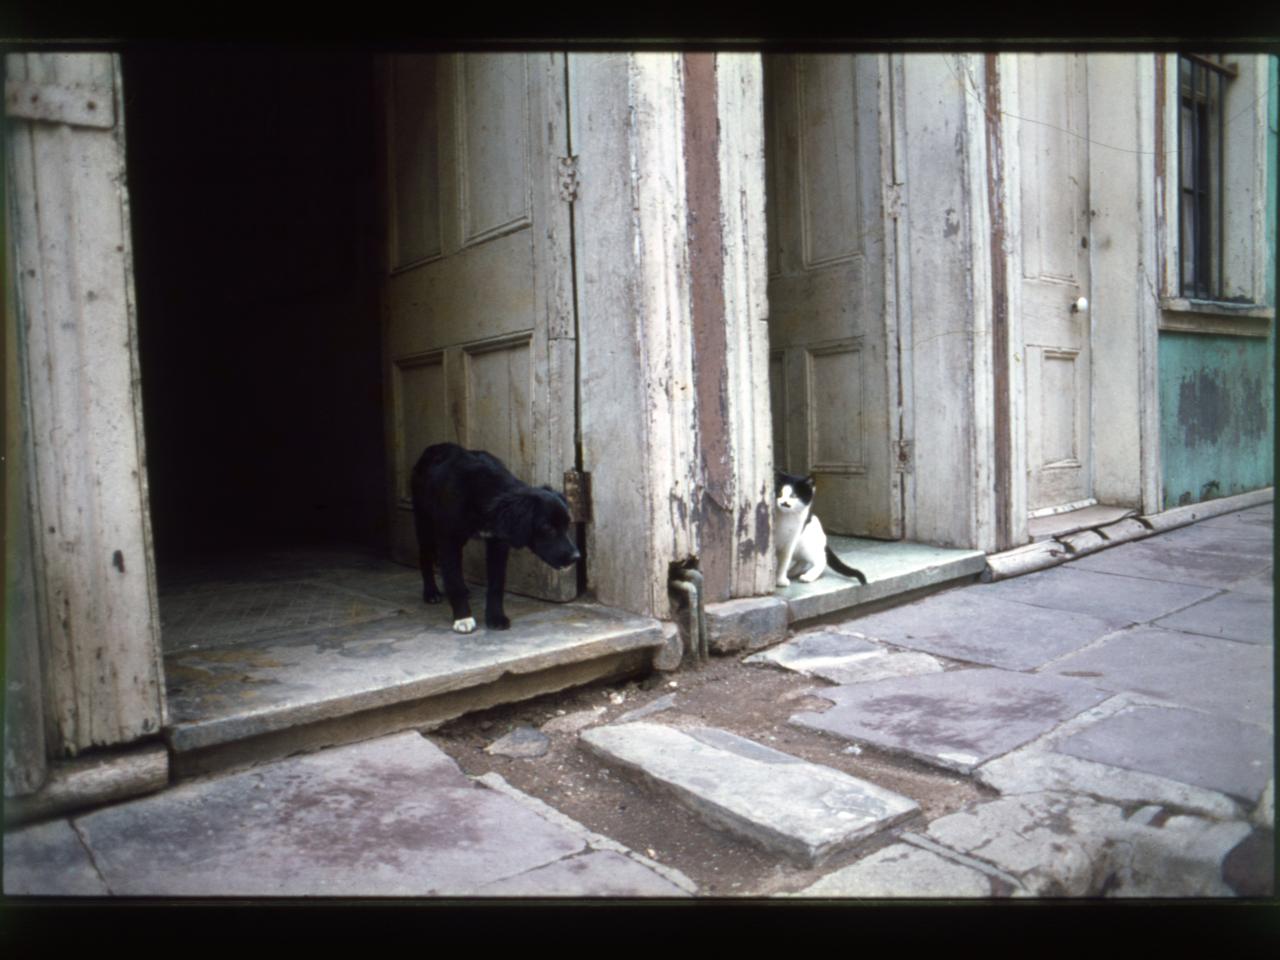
(477, 294)
(1051, 190)
(829, 365)
(92, 571)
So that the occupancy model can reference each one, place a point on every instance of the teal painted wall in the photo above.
(1216, 416)
(1217, 394)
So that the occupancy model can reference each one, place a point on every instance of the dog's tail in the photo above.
(840, 566)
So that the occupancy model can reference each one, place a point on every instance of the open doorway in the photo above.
(278, 397)
(251, 177)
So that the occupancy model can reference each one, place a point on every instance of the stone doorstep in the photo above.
(283, 695)
(801, 810)
(892, 568)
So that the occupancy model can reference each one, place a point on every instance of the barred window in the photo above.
(1202, 99)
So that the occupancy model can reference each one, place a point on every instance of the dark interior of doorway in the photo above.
(251, 179)
(254, 215)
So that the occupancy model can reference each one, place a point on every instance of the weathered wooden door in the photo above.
(829, 374)
(478, 292)
(1051, 189)
(91, 566)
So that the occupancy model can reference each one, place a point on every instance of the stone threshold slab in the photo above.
(892, 568)
(237, 693)
(801, 810)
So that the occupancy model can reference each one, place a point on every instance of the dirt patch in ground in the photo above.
(751, 700)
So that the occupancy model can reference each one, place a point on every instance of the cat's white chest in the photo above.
(801, 544)
(789, 526)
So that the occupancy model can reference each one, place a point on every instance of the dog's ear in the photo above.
(513, 519)
(557, 494)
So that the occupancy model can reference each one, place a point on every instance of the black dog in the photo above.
(459, 494)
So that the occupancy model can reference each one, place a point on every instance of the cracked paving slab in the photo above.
(1153, 560)
(1109, 595)
(957, 720)
(1200, 749)
(843, 658)
(903, 870)
(1219, 676)
(49, 860)
(974, 625)
(1038, 767)
(1232, 616)
(599, 873)
(1058, 844)
(802, 810)
(388, 817)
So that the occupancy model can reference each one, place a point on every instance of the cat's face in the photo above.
(793, 493)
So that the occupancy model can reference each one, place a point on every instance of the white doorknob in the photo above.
(1081, 305)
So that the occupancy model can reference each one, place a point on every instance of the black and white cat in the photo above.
(801, 543)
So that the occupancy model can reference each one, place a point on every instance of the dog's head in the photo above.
(537, 518)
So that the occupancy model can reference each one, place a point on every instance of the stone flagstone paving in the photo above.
(956, 720)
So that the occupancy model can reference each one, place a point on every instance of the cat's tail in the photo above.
(840, 566)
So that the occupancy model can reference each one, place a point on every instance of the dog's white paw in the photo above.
(465, 625)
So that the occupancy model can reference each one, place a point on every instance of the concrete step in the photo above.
(231, 704)
(785, 805)
(892, 568)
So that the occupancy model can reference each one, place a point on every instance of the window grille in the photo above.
(1202, 89)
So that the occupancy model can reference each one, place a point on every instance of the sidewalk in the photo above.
(1118, 710)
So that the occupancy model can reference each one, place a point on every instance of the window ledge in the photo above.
(1215, 317)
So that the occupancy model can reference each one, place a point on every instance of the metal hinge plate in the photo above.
(76, 106)
(904, 459)
(569, 178)
(577, 490)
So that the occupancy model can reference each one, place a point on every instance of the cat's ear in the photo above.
(810, 480)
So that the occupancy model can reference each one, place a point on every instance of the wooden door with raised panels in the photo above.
(829, 376)
(477, 294)
(1052, 192)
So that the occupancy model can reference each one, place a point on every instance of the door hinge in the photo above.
(904, 457)
(76, 106)
(569, 178)
(577, 490)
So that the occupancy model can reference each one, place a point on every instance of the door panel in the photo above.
(829, 373)
(477, 298)
(1053, 193)
(92, 624)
